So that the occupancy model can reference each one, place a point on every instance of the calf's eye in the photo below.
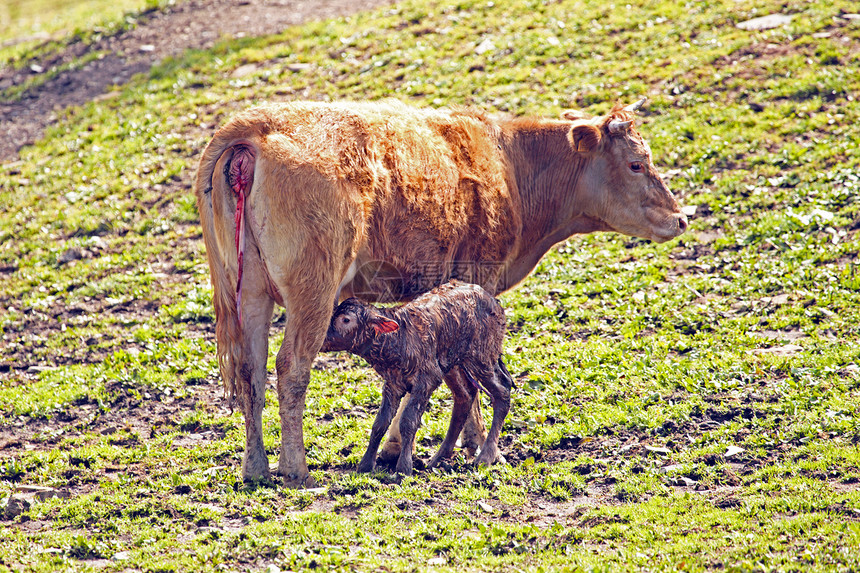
(636, 167)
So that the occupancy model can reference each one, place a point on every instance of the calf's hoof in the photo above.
(436, 460)
(404, 468)
(489, 457)
(364, 467)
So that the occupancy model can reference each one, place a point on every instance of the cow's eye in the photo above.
(636, 167)
(345, 320)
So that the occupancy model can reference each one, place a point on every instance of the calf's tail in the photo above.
(504, 375)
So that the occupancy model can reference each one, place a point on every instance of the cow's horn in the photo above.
(635, 106)
(617, 126)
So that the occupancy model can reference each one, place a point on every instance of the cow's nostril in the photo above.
(682, 223)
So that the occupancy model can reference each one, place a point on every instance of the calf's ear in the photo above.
(585, 138)
(383, 325)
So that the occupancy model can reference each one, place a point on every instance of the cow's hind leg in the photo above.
(257, 308)
(307, 322)
(255, 339)
(305, 226)
(242, 314)
(474, 431)
(391, 448)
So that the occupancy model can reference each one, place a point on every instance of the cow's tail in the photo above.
(224, 178)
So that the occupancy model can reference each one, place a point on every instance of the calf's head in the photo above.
(354, 326)
(623, 189)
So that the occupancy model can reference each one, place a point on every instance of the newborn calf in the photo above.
(453, 332)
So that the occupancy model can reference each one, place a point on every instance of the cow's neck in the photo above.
(547, 176)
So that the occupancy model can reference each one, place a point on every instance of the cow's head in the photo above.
(623, 190)
(354, 326)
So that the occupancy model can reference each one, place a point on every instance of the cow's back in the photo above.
(431, 185)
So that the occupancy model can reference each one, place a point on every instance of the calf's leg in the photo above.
(474, 432)
(390, 401)
(464, 394)
(391, 448)
(498, 383)
(419, 398)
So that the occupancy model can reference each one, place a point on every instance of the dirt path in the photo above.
(157, 34)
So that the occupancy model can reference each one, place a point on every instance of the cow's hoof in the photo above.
(471, 442)
(294, 481)
(389, 453)
(255, 476)
(255, 468)
(256, 479)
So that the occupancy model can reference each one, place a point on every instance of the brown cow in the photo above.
(304, 203)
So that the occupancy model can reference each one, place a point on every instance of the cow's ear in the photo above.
(585, 138)
(383, 325)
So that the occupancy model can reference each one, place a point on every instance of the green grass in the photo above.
(25, 23)
(638, 365)
(19, 17)
(34, 34)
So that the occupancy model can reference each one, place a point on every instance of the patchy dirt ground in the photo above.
(129, 418)
(191, 24)
(197, 24)
(157, 34)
